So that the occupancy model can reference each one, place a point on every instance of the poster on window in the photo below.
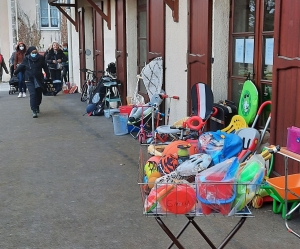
(269, 51)
(239, 50)
(249, 51)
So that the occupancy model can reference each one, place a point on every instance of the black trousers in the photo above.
(36, 95)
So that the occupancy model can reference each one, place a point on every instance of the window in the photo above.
(49, 16)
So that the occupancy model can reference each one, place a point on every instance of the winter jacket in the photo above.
(3, 65)
(52, 56)
(33, 68)
(19, 55)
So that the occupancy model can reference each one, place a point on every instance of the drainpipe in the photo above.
(70, 54)
(16, 23)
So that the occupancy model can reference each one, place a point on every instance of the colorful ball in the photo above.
(151, 182)
(168, 164)
(149, 168)
(172, 148)
(155, 174)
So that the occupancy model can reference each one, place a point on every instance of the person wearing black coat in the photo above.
(54, 58)
(33, 65)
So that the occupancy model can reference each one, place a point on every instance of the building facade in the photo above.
(217, 42)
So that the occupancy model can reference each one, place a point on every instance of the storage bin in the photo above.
(120, 124)
(109, 112)
(293, 139)
(215, 195)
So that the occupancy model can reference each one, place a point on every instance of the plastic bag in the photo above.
(248, 181)
(216, 189)
(220, 145)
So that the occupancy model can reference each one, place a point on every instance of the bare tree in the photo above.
(29, 33)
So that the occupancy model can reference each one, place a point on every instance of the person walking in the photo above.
(19, 56)
(54, 58)
(33, 64)
(11, 61)
(2, 66)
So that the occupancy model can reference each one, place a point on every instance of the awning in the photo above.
(106, 17)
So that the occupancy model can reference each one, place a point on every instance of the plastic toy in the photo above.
(156, 195)
(196, 164)
(248, 181)
(180, 200)
(248, 102)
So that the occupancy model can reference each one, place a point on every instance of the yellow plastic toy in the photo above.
(237, 122)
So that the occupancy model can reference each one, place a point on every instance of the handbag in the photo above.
(49, 89)
(13, 80)
(59, 66)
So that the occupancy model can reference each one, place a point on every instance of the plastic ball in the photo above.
(151, 182)
(145, 179)
(149, 168)
(257, 201)
(172, 148)
(155, 174)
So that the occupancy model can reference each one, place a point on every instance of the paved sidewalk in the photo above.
(67, 182)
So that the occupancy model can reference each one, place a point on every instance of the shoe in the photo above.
(37, 109)
(34, 114)
(24, 95)
(20, 95)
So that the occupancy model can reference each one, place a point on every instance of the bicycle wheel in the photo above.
(84, 93)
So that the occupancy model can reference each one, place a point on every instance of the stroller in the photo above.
(141, 118)
(13, 85)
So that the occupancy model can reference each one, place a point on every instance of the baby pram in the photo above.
(13, 85)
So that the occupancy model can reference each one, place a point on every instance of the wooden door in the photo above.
(156, 29)
(199, 44)
(121, 53)
(81, 32)
(286, 77)
(98, 41)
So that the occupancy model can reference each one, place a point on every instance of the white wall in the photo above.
(6, 46)
(175, 62)
(109, 37)
(89, 45)
(220, 40)
(74, 59)
(131, 41)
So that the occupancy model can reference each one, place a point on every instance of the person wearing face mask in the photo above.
(55, 58)
(33, 65)
(19, 56)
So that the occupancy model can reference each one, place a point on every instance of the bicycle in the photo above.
(89, 84)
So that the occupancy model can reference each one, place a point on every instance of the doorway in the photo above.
(251, 48)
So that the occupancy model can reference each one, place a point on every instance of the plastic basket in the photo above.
(189, 198)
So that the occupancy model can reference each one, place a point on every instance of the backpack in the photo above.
(220, 145)
(1, 59)
(96, 109)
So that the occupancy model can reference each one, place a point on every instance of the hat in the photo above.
(30, 49)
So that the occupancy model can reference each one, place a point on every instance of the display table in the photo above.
(288, 154)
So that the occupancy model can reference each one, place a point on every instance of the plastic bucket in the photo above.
(120, 123)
